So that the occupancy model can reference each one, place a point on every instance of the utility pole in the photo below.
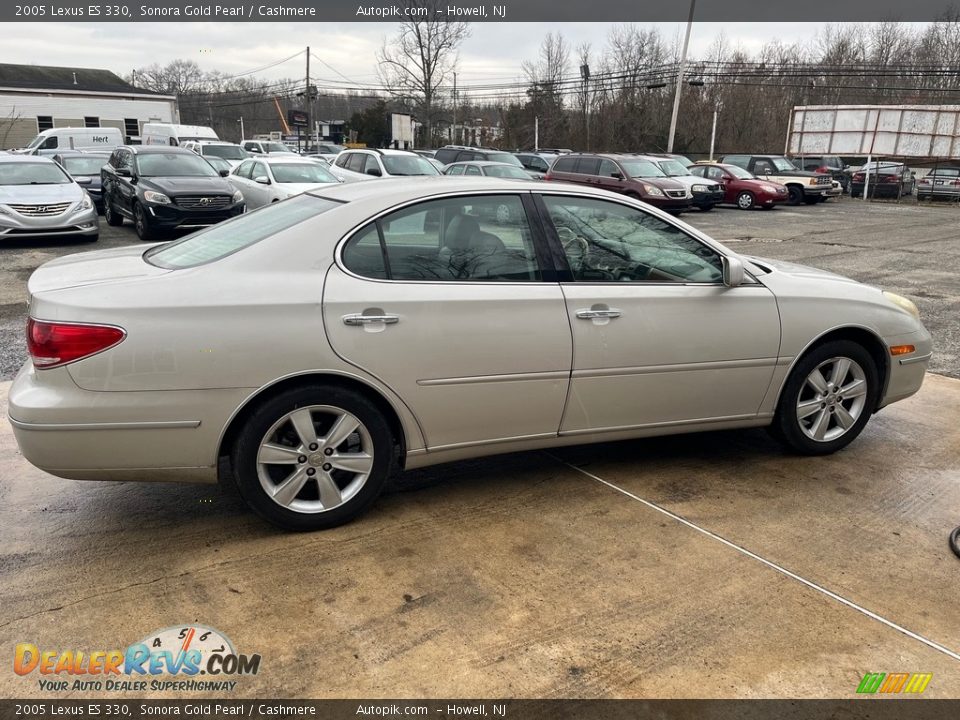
(683, 67)
(585, 74)
(536, 134)
(713, 133)
(242, 136)
(454, 109)
(309, 99)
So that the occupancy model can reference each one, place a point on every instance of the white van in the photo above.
(56, 140)
(170, 134)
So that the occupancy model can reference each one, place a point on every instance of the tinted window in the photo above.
(484, 238)
(455, 170)
(608, 168)
(363, 254)
(173, 165)
(565, 164)
(341, 160)
(589, 166)
(446, 155)
(244, 169)
(226, 238)
(741, 160)
(609, 242)
(471, 170)
(355, 162)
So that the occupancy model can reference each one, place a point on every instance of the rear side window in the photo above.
(589, 166)
(740, 160)
(226, 238)
(482, 238)
(566, 164)
(446, 156)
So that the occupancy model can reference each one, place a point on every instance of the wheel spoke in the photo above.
(273, 454)
(329, 492)
(854, 389)
(302, 421)
(353, 462)
(820, 425)
(844, 418)
(840, 369)
(286, 492)
(807, 408)
(817, 382)
(340, 430)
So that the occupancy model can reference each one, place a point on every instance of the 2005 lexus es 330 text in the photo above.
(325, 341)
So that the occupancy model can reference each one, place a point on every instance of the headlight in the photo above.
(651, 190)
(903, 303)
(770, 188)
(238, 196)
(700, 188)
(156, 197)
(84, 204)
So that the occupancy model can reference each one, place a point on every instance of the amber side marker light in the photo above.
(901, 349)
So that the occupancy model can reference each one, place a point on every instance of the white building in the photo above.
(36, 97)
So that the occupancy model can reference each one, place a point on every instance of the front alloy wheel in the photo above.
(827, 399)
(313, 457)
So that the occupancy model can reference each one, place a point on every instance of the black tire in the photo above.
(746, 200)
(110, 215)
(141, 222)
(795, 195)
(787, 426)
(245, 451)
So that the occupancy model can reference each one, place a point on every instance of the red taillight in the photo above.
(889, 179)
(52, 344)
(858, 177)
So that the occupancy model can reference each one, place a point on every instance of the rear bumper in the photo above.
(86, 435)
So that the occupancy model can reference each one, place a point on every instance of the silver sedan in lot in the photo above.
(38, 199)
(323, 342)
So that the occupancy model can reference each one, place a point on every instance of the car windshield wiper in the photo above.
(37, 182)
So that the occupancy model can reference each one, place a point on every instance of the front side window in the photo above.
(608, 168)
(482, 238)
(454, 170)
(608, 242)
(244, 169)
(355, 162)
(471, 170)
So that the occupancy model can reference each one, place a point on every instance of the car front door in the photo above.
(658, 338)
(125, 190)
(455, 312)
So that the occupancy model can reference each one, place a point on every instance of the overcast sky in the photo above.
(494, 51)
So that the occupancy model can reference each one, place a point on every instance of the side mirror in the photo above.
(375, 172)
(262, 179)
(224, 173)
(124, 172)
(616, 175)
(732, 271)
(83, 180)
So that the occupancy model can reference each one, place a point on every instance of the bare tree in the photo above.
(6, 125)
(420, 59)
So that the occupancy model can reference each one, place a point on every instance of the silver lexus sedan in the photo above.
(38, 199)
(323, 342)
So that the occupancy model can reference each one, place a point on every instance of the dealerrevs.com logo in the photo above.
(184, 653)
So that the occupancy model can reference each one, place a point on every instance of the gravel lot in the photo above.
(907, 248)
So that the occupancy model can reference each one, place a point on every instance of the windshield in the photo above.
(408, 165)
(504, 158)
(275, 147)
(174, 165)
(641, 168)
(739, 172)
(228, 237)
(227, 152)
(32, 174)
(36, 142)
(301, 173)
(505, 171)
(84, 165)
(673, 168)
(781, 163)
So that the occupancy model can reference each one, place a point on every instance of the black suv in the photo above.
(461, 153)
(165, 188)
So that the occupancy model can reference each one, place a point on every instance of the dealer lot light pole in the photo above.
(683, 67)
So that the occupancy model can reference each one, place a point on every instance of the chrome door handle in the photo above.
(592, 314)
(359, 319)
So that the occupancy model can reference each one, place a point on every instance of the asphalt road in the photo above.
(907, 248)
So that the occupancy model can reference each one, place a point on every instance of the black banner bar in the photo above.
(876, 708)
(480, 11)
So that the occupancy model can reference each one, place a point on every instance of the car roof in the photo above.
(155, 149)
(483, 163)
(391, 192)
(13, 157)
(279, 158)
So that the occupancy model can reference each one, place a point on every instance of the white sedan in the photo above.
(268, 179)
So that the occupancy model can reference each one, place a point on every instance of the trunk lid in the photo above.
(93, 268)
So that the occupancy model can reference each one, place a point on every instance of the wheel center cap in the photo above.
(316, 460)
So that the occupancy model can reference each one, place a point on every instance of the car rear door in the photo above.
(459, 314)
(658, 339)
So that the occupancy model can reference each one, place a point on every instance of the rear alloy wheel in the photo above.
(827, 399)
(313, 458)
(795, 195)
(110, 216)
(142, 224)
(745, 200)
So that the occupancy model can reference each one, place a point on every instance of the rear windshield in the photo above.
(218, 241)
(946, 172)
(504, 158)
(84, 165)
